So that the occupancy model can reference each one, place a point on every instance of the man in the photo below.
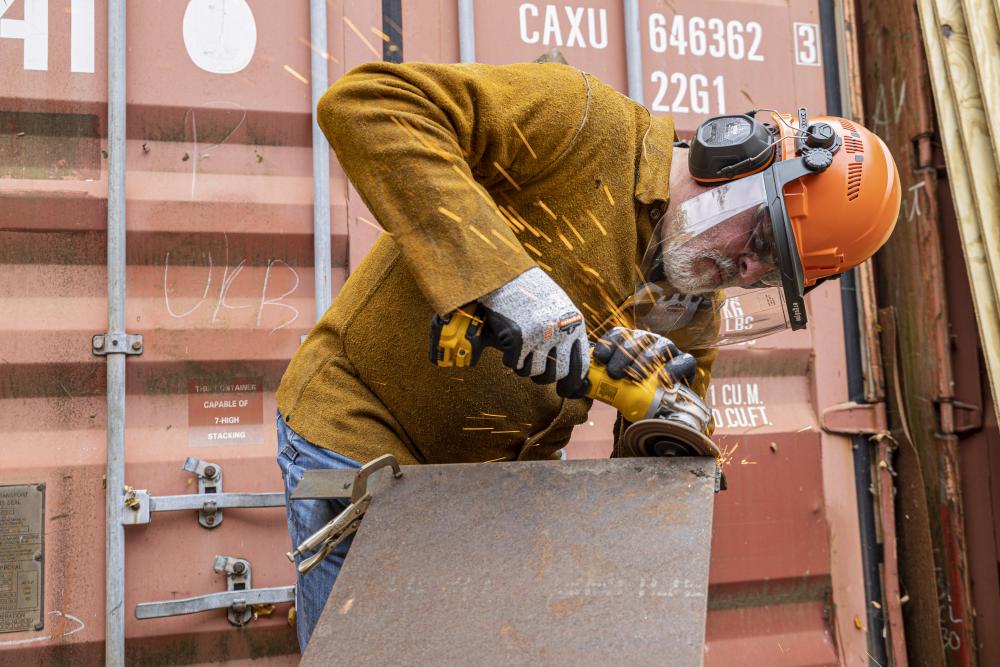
(536, 191)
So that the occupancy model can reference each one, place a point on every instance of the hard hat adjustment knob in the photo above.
(817, 159)
(821, 135)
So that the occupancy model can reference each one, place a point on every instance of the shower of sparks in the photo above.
(591, 271)
(607, 192)
(418, 136)
(575, 233)
(565, 241)
(381, 35)
(727, 454)
(503, 172)
(446, 212)
(499, 432)
(475, 186)
(546, 209)
(392, 24)
(527, 294)
(597, 222)
(499, 458)
(511, 220)
(477, 428)
(296, 74)
(544, 266)
(504, 240)
(490, 414)
(744, 462)
(531, 248)
(372, 224)
(354, 29)
(804, 428)
(525, 140)
(524, 223)
(326, 56)
(480, 235)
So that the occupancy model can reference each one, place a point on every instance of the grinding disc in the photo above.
(660, 437)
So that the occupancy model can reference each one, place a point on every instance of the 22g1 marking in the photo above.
(691, 93)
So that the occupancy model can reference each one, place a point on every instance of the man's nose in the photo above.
(752, 269)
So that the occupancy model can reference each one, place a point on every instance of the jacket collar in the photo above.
(653, 178)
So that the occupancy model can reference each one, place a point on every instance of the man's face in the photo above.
(702, 255)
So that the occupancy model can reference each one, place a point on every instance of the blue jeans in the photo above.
(305, 517)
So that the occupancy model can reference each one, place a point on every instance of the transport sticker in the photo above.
(22, 556)
(226, 412)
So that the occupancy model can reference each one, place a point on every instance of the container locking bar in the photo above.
(345, 524)
(208, 502)
(241, 600)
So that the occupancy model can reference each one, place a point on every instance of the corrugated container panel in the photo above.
(220, 284)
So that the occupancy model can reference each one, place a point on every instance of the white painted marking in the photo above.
(81, 39)
(166, 290)
(264, 301)
(33, 30)
(31, 640)
(220, 35)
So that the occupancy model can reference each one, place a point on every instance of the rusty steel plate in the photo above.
(563, 562)
(22, 522)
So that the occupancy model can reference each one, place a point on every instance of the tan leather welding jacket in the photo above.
(476, 173)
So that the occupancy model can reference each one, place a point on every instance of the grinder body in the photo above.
(666, 420)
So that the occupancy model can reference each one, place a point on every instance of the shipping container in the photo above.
(220, 275)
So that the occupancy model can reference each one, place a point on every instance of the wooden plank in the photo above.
(984, 40)
(974, 128)
(951, 118)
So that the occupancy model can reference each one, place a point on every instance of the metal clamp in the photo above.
(238, 578)
(209, 482)
(345, 524)
(208, 502)
(241, 601)
(116, 343)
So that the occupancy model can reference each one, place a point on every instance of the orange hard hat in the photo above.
(841, 216)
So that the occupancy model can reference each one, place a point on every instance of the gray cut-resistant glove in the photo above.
(540, 332)
(637, 353)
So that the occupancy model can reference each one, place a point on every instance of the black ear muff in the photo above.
(725, 148)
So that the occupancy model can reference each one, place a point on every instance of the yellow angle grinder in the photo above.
(666, 420)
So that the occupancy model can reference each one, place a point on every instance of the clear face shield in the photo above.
(710, 275)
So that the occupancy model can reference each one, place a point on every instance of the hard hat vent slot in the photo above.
(854, 179)
(852, 145)
(848, 125)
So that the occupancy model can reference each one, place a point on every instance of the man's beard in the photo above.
(679, 265)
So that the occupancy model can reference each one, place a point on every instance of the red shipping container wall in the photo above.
(220, 284)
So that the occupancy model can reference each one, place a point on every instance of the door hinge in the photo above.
(852, 418)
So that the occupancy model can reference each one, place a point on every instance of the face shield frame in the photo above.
(788, 264)
(776, 177)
